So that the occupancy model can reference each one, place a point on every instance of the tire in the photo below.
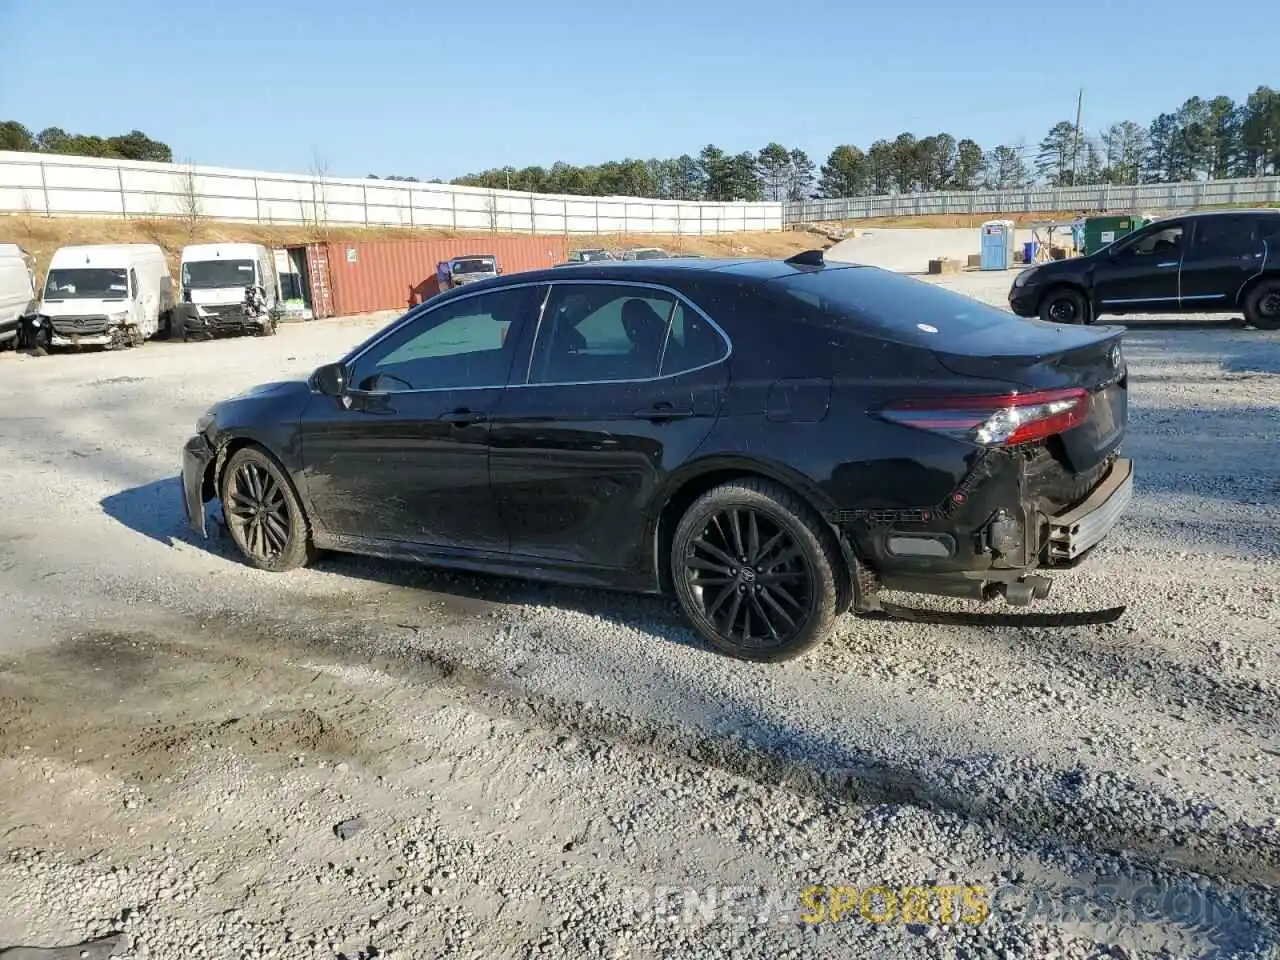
(792, 590)
(1262, 305)
(1064, 305)
(253, 488)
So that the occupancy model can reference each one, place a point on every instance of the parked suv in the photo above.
(1221, 262)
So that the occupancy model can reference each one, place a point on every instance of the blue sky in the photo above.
(434, 90)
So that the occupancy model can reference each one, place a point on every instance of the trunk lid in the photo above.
(1031, 355)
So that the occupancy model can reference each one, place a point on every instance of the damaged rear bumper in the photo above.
(1085, 525)
(197, 456)
(1000, 557)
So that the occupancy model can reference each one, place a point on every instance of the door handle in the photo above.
(463, 418)
(662, 411)
(1170, 263)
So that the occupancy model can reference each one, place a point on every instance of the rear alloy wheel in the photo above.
(755, 570)
(1262, 306)
(263, 513)
(1064, 306)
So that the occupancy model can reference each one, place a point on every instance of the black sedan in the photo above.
(772, 441)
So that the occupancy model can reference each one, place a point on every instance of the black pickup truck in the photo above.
(1224, 261)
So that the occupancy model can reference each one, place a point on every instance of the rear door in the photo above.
(1140, 273)
(623, 384)
(1225, 251)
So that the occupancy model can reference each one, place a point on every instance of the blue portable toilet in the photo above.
(997, 245)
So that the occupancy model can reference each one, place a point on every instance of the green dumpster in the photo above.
(1103, 231)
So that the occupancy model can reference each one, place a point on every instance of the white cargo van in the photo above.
(17, 292)
(105, 295)
(215, 277)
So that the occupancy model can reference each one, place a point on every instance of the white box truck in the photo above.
(108, 296)
(17, 292)
(216, 282)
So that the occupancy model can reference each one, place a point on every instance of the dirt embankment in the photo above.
(42, 235)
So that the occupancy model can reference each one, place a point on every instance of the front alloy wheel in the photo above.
(262, 512)
(1064, 306)
(755, 571)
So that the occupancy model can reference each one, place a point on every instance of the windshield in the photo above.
(651, 255)
(86, 283)
(204, 274)
(912, 311)
(477, 265)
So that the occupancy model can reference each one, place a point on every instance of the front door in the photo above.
(624, 382)
(404, 456)
(1140, 273)
(1225, 252)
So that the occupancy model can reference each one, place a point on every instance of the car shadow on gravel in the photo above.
(155, 510)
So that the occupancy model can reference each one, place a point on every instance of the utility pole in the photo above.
(1075, 146)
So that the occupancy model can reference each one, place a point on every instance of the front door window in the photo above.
(467, 343)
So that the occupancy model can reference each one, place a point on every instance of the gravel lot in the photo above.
(179, 734)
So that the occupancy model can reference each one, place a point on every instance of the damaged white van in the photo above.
(17, 292)
(227, 288)
(107, 296)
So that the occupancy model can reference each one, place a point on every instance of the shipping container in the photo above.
(364, 276)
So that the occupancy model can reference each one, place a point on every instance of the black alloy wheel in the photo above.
(755, 571)
(1262, 306)
(262, 512)
(1064, 306)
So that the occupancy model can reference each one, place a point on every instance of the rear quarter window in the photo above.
(870, 300)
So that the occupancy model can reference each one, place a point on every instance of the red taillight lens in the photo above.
(1003, 421)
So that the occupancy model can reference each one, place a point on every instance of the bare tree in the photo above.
(319, 188)
(190, 208)
(26, 221)
(491, 208)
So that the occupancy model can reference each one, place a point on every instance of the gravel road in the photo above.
(540, 771)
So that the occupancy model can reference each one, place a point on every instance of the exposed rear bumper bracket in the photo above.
(1082, 527)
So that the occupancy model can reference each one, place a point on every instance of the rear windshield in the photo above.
(473, 266)
(908, 310)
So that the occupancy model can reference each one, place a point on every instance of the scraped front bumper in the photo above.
(197, 455)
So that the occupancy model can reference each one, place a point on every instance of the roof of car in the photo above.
(675, 268)
(1229, 212)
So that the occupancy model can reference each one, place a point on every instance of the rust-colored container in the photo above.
(396, 274)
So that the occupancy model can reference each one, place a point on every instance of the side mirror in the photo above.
(331, 379)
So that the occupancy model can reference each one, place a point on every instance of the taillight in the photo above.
(1005, 420)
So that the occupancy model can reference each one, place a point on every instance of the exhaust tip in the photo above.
(1022, 592)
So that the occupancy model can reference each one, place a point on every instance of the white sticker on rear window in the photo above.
(245, 268)
(926, 328)
(119, 286)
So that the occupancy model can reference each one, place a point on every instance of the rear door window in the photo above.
(592, 333)
(1218, 236)
(1269, 229)
(692, 343)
